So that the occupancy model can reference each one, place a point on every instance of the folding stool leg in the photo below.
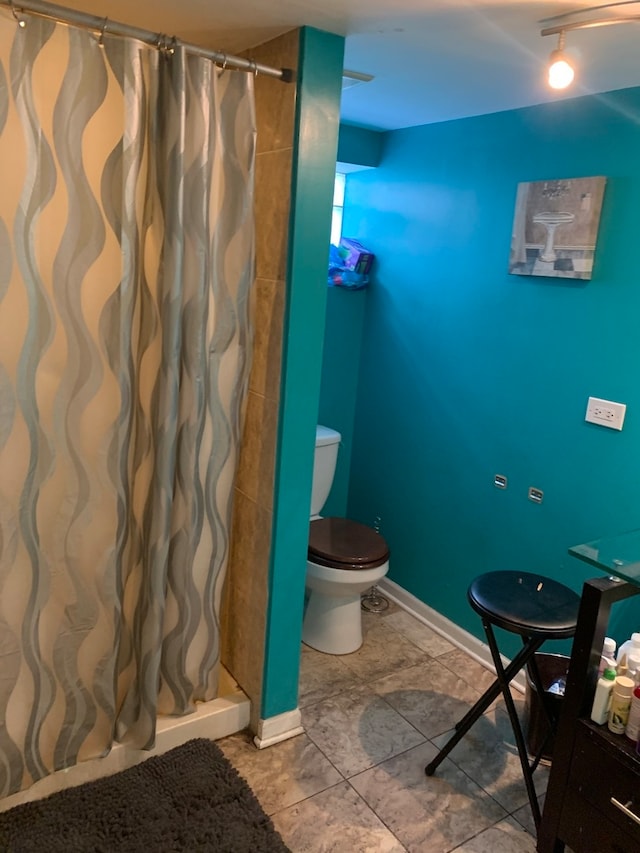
(478, 709)
(530, 648)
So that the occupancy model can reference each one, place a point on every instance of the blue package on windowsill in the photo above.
(340, 277)
(356, 256)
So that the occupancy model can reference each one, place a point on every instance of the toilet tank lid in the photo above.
(326, 435)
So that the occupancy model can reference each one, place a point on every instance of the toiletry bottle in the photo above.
(608, 656)
(633, 664)
(630, 647)
(622, 668)
(602, 698)
(632, 730)
(620, 704)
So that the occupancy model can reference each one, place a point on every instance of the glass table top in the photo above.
(617, 555)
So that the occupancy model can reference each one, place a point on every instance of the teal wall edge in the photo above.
(339, 389)
(315, 149)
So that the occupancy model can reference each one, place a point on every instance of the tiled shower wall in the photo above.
(244, 609)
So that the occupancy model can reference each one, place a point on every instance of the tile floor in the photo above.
(355, 782)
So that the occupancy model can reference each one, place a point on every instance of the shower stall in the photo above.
(126, 276)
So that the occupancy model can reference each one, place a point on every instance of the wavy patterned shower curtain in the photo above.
(126, 261)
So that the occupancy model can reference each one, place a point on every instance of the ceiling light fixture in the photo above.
(561, 71)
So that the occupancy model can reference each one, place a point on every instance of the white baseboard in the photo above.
(276, 729)
(456, 635)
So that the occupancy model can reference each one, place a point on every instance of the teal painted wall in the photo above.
(359, 146)
(467, 371)
(317, 118)
(341, 358)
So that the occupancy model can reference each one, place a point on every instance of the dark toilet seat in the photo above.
(340, 543)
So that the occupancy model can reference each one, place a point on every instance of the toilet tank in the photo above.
(324, 466)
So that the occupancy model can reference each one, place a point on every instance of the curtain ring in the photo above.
(166, 46)
(162, 45)
(20, 21)
(254, 65)
(224, 61)
(103, 30)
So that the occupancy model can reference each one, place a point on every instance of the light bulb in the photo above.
(561, 73)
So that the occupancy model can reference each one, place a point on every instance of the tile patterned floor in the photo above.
(355, 782)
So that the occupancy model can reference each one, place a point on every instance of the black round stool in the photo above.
(538, 609)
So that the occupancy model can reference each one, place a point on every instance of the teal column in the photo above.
(314, 162)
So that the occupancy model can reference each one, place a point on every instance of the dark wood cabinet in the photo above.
(604, 779)
(593, 797)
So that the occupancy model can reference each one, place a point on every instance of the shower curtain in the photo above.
(126, 262)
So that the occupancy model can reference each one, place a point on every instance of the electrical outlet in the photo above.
(605, 413)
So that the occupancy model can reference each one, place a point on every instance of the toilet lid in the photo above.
(344, 544)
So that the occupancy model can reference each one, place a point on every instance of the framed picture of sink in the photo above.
(555, 227)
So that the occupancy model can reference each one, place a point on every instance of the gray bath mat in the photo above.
(189, 799)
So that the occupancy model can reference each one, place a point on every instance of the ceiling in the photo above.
(432, 60)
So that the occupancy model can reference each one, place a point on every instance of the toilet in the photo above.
(344, 559)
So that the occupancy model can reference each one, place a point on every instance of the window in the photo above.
(338, 208)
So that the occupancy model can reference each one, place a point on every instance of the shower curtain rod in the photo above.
(159, 40)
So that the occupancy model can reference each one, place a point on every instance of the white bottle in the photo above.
(602, 698)
(620, 705)
(630, 647)
(633, 668)
(608, 656)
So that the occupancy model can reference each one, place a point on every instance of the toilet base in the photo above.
(332, 624)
